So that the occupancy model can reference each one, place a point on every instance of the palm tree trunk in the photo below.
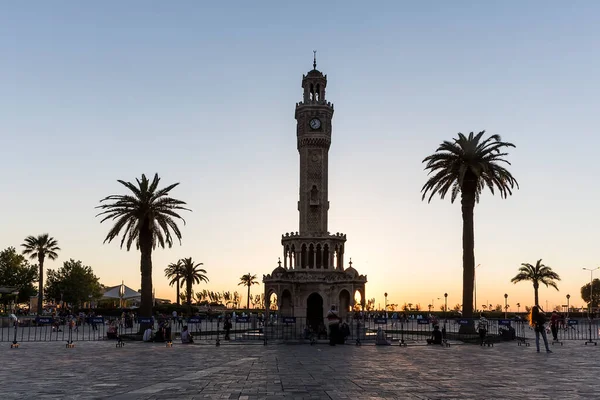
(248, 300)
(536, 286)
(188, 295)
(40, 284)
(468, 241)
(146, 269)
(177, 301)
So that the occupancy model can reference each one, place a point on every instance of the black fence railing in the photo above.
(252, 329)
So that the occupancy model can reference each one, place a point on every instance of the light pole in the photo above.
(475, 285)
(505, 304)
(445, 308)
(568, 297)
(385, 302)
(590, 305)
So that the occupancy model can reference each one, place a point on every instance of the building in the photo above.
(313, 276)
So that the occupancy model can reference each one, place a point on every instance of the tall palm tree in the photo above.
(467, 165)
(146, 216)
(174, 272)
(192, 274)
(537, 274)
(248, 280)
(40, 247)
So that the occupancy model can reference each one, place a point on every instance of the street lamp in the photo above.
(590, 305)
(505, 304)
(568, 297)
(475, 285)
(445, 308)
(385, 302)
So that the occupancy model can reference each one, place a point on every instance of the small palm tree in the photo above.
(537, 274)
(466, 166)
(174, 272)
(40, 247)
(146, 217)
(192, 274)
(248, 280)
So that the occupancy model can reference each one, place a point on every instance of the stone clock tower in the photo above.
(313, 276)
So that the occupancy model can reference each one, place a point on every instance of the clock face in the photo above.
(315, 123)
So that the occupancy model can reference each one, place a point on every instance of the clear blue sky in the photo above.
(203, 93)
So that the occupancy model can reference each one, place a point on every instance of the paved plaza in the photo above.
(98, 370)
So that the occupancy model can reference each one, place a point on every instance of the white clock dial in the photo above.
(315, 123)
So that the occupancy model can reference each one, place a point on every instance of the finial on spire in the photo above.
(279, 261)
(315, 59)
(350, 263)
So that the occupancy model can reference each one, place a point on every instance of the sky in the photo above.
(203, 93)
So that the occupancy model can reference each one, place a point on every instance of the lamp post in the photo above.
(590, 305)
(385, 302)
(475, 285)
(505, 304)
(445, 308)
(568, 297)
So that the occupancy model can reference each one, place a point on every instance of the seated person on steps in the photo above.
(186, 336)
(436, 336)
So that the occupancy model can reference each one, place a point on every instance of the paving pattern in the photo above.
(98, 370)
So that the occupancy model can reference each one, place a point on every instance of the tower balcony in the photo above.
(313, 250)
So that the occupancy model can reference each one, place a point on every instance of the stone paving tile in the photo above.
(98, 370)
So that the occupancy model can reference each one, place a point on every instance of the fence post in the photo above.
(218, 323)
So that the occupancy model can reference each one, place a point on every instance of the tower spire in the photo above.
(314, 59)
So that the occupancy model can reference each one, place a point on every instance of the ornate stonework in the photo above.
(313, 270)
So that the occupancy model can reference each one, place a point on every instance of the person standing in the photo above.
(554, 321)
(333, 320)
(537, 319)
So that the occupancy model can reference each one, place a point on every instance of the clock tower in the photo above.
(313, 131)
(313, 277)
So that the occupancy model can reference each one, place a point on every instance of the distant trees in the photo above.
(39, 247)
(191, 274)
(174, 272)
(536, 274)
(16, 272)
(248, 280)
(73, 283)
(585, 293)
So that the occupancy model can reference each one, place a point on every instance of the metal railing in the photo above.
(252, 329)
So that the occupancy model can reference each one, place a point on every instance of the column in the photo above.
(322, 255)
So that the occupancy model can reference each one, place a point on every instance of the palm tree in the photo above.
(248, 280)
(466, 166)
(146, 216)
(537, 274)
(192, 274)
(41, 247)
(174, 272)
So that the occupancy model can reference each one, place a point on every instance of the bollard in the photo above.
(14, 344)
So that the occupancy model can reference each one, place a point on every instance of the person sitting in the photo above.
(147, 335)
(380, 338)
(112, 331)
(436, 336)
(186, 336)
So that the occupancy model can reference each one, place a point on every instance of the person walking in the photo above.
(537, 319)
(333, 319)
